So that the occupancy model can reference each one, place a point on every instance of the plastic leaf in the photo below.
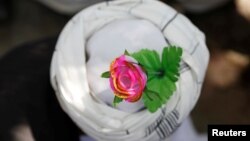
(149, 59)
(161, 77)
(106, 74)
(126, 53)
(171, 57)
(116, 101)
(163, 86)
(151, 100)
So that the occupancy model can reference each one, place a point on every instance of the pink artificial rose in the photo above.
(127, 78)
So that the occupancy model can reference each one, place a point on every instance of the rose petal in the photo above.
(128, 79)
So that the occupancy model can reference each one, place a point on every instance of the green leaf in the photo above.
(162, 85)
(149, 59)
(158, 91)
(126, 53)
(106, 74)
(161, 75)
(116, 101)
(151, 100)
(171, 57)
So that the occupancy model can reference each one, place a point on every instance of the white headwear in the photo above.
(103, 32)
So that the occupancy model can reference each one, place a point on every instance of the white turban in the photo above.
(99, 34)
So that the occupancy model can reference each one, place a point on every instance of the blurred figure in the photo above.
(4, 9)
(68, 7)
(23, 133)
(226, 67)
(200, 6)
(243, 7)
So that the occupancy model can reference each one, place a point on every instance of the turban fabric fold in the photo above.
(90, 41)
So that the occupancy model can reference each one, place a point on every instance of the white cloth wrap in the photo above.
(77, 94)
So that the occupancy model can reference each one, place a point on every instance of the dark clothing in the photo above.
(27, 96)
